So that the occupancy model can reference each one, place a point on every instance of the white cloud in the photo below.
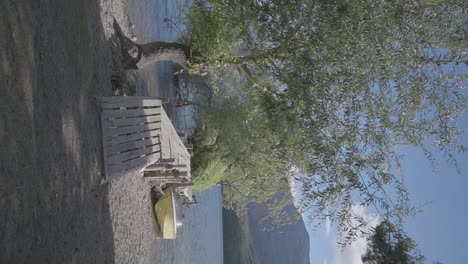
(293, 187)
(352, 253)
(327, 227)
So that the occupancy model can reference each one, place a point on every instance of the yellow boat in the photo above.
(167, 215)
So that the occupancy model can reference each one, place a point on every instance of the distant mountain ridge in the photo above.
(247, 242)
(284, 244)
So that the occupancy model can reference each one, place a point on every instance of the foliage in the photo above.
(389, 246)
(210, 173)
(343, 84)
(370, 76)
(210, 34)
(236, 132)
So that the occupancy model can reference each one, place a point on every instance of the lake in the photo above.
(201, 238)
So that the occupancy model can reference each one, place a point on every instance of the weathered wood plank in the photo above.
(140, 103)
(132, 137)
(134, 164)
(169, 181)
(117, 131)
(158, 176)
(130, 113)
(118, 122)
(170, 132)
(133, 154)
(115, 149)
(187, 184)
(166, 173)
(116, 99)
(104, 152)
(166, 160)
(157, 167)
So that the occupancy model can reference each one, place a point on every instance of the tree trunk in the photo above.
(136, 56)
(162, 51)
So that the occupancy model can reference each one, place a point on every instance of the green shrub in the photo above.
(209, 172)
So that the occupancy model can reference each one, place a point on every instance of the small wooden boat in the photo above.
(167, 215)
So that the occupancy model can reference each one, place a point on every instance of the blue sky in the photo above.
(441, 230)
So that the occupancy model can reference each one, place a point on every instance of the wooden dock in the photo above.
(136, 134)
(172, 145)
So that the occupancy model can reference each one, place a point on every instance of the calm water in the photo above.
(200, 239)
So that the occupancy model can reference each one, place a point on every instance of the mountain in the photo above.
(249, 240)
(285, 244)
(236, 245)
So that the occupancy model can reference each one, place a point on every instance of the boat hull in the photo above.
(165, 216)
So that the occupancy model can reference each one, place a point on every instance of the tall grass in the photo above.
(210, 173)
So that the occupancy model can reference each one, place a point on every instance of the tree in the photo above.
(340, 85)
(235, 147)
(347, 83)
(389, 246)
(372, 77)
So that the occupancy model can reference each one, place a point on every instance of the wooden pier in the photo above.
(137, 135)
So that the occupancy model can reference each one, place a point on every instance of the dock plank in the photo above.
(118, 131)
(133, 154)
(132, 137)
(111, 114)
(116, 149)
(130, 121)
(136, 164)
(122, 103)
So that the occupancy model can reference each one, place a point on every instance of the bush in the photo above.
(209, 172)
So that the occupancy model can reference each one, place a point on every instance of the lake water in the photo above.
(200, 240)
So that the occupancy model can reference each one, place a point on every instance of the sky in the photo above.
(441, 230)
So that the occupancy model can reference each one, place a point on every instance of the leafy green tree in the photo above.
(388, 246)
(347, 83)
(338, 87)
(235, 133)
(370, 77)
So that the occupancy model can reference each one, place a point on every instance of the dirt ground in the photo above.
(54, 59)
